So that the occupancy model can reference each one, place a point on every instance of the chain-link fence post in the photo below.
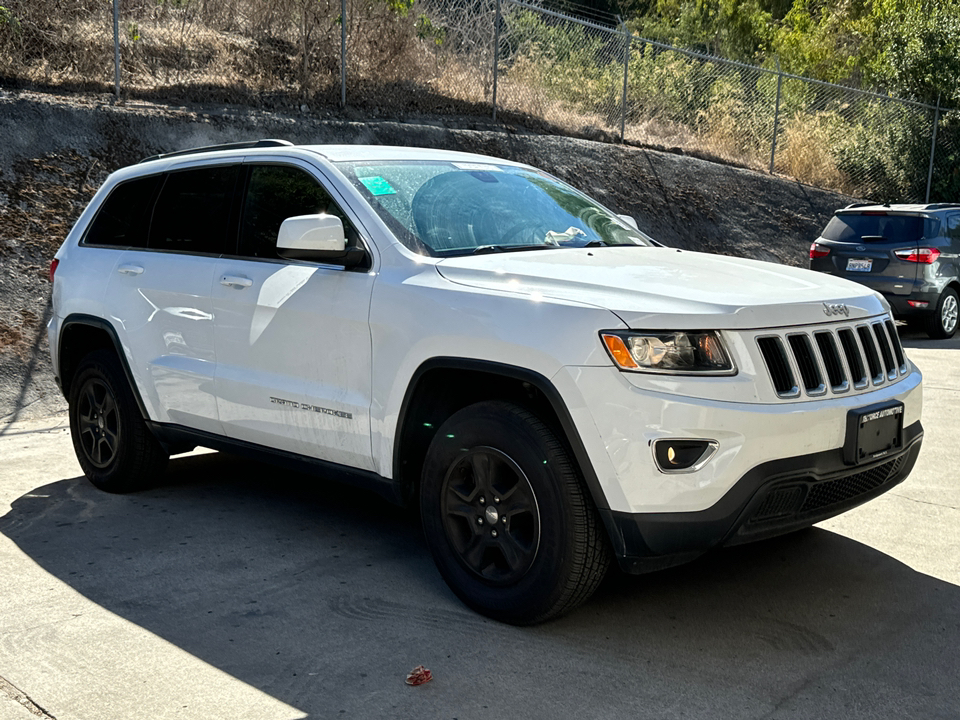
(116, 49)
(626, 72)
(496, 57)
(776, 119)
(933, 147)
(343, 53)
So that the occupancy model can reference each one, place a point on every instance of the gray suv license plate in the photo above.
(873, 432)
(859, 265)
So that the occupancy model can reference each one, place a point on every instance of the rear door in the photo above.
(863, 248)
(292, 337)
(159, 295)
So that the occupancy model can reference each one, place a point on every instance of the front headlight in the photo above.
(680, 352)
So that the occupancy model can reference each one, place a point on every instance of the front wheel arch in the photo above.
(442, 385)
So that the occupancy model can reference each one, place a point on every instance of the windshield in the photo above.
(444, 208)
(879, 226)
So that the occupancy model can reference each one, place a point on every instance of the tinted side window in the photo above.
(123, 218)
(275, 193)
(193, 211)
(953, 229)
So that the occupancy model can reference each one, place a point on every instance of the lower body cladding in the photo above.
(769, 469)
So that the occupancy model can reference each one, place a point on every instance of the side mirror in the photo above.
(629, 220)
(319, 238)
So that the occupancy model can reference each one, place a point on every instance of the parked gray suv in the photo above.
(906, 252)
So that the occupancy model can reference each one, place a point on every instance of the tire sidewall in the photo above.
(949, 292)
(548, 472)
(935, 328)
(104, 366)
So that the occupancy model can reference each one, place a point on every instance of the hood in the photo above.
(664, 288)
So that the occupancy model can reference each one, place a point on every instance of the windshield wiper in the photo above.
(601, 243)
(485, 249)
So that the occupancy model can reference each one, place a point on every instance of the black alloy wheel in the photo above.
(116, 450)
(507, 516)
(490, 515)
(99, 423)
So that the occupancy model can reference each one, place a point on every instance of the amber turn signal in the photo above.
(618, 351)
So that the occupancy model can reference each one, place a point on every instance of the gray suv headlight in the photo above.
(680, 352)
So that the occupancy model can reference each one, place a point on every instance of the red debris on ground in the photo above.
(419, 675)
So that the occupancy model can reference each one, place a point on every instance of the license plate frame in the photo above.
(873, 432)
(859, 264)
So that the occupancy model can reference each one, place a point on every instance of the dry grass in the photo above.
(10, 337)
(18, 336)
(462, 80)
(804, 152)
(280, 51)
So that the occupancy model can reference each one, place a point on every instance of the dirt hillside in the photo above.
(58, 150)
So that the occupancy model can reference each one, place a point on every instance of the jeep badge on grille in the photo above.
(835, 309)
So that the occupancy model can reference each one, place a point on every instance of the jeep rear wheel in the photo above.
(943, 323)
(113, 445)
(508, 521)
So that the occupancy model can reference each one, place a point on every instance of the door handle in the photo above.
(129, 269)
(237, 282)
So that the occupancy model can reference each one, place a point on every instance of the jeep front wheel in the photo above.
(507, 518)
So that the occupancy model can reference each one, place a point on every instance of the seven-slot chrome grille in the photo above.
(834, 359)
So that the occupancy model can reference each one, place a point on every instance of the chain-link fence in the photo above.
(580, 75)
(867, 145)
(569, 72)
(584, 75)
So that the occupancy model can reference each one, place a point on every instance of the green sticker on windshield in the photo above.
(378, 186)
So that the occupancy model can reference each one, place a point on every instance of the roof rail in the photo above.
(223, 146)
(860, 204)
(942, 205)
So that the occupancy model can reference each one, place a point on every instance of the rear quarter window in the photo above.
(124, 217)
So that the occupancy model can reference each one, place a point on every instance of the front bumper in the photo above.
(774, 498)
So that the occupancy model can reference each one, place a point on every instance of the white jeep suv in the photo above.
(553, 388)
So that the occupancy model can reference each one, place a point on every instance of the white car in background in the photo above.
(554, 389)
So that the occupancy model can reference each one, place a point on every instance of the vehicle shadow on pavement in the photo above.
(911, 337)
(25, 378)
(325, 597)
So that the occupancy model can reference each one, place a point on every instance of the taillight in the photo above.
(53, 268)
(818, 251)
(924, 256)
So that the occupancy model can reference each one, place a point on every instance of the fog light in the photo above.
(917, 303)
(677, 455)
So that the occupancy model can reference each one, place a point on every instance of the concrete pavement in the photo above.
(238, 590)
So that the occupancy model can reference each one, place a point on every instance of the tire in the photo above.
(115, 449)
(507, 518)
(943, 323)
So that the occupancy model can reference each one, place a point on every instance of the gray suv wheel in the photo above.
(943, 323)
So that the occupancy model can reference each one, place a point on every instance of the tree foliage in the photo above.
(905, 47)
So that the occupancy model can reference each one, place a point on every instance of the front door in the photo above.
(292, 338)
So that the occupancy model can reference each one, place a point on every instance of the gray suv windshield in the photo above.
(443, 208)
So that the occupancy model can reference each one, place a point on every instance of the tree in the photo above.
(921, 49)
